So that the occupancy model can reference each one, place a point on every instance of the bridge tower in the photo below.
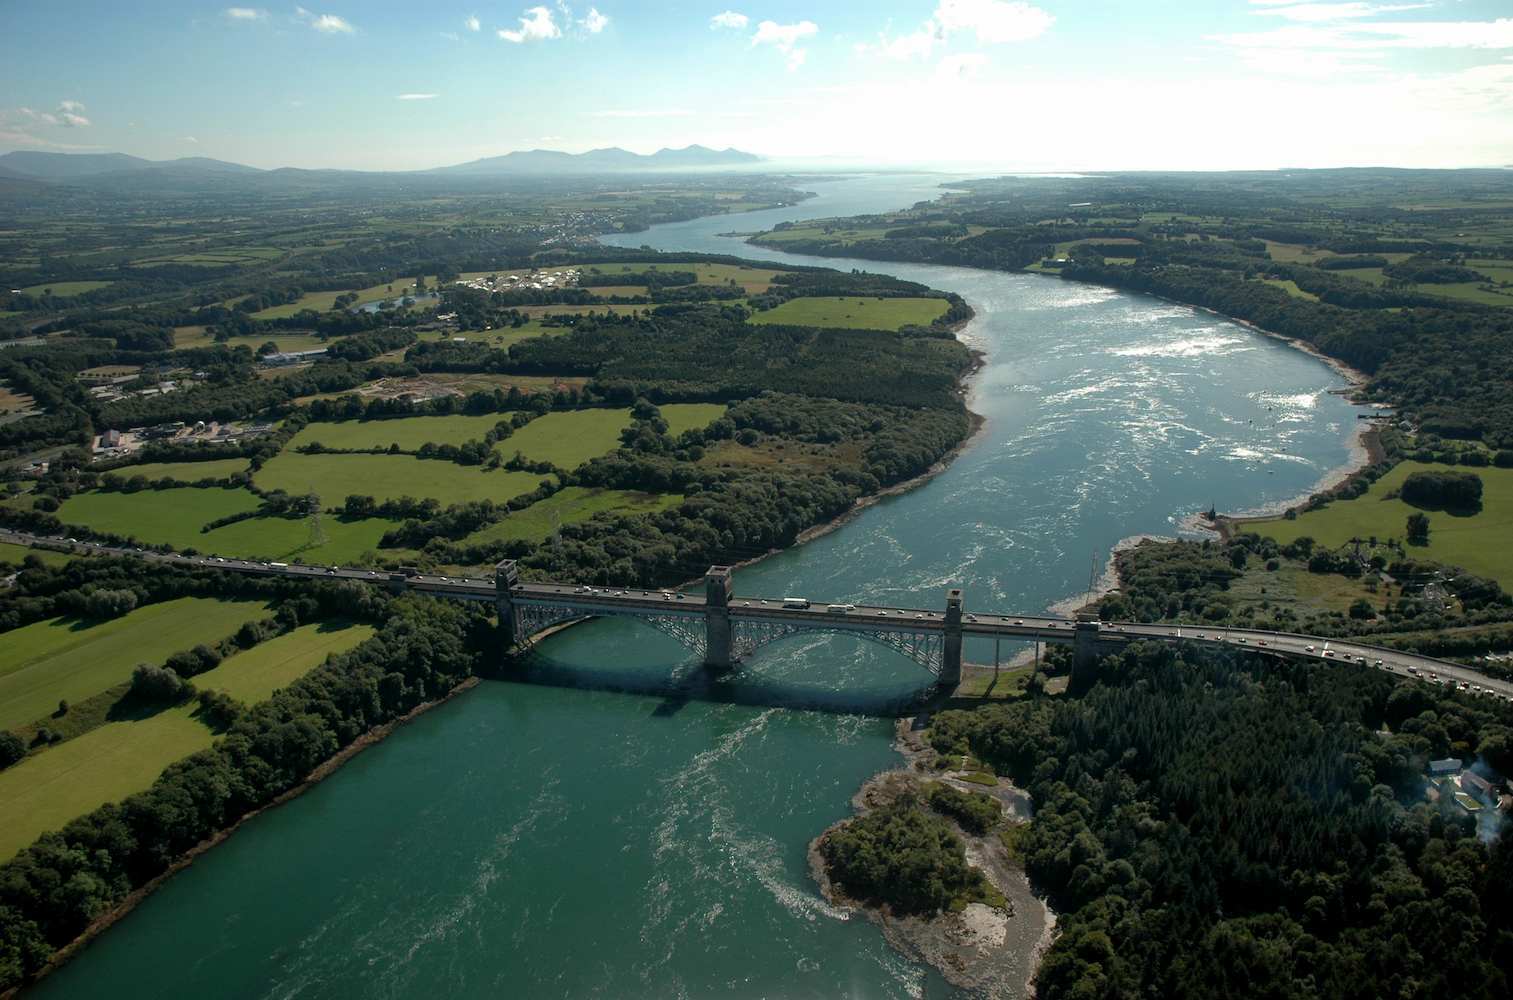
(1084, 651)
(505, 578)
(950, 662)
(718, 586)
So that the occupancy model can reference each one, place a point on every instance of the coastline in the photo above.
(989, 950)
(322, 771)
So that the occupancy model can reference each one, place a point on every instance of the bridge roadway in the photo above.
(563, 602)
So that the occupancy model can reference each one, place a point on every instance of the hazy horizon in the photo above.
(951, 85)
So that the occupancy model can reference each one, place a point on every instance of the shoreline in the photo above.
(982, 948)
(320, 773)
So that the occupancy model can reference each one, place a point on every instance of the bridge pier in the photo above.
(1085, 639)
(950, 662)
(505, 577)
(718, 586)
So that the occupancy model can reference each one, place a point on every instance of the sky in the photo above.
(966, 84)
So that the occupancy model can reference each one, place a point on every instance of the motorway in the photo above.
(841, 617)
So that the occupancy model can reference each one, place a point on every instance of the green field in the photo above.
(253, 675)
(568, 438)
(855, 313)
(323, 301)
(575, 503)
(65, 658)
(64, 289)
(682, 417)
(1481, 544)
(119, 758)
(389, 477)
(407, 432)
(185, 337)
(172, 517)
(1291, 288)
(16, 553)
(103, 765)
(290, 539)
(185, 472)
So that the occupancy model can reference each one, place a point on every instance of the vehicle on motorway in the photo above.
(797, 603)
(840, 609)
(279, 565)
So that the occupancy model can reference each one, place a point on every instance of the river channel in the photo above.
(582, 832)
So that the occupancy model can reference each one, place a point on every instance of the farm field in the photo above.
(66, 658)
(253, 675)
(407, 432)
(323, 301)
(855, 313)
(108, 763)
(389, 477)
(568, 438)
(568, 506)
(169, 517)
(14, 554)
(186, 472)
(185, 337)
(1291, 288)
(682, 417)
(65, 289)
(1478, 544)
(283, 538)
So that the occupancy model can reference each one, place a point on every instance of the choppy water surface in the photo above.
(582, 833)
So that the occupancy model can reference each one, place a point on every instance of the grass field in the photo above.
(682, 417)
(1291, 288)
(855, 313)
(568, 438)
(65, 658)
(323, 301)
(187, 472)
(1481, 544)
(389, 477)
(64, 289)
(407, 432)
(185, 337)
(16, 553)
(287, 539)
(119, 758)
(575, 503)
(253, 675)
(172, 517)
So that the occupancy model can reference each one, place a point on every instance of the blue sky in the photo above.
(976, 84)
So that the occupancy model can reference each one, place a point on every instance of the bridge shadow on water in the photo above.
(679, 684)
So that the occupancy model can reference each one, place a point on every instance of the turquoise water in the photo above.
(594, 830)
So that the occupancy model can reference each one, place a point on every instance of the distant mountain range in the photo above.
(610, 160)
(23, 170)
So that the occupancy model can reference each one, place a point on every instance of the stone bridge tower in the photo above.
(718, 586)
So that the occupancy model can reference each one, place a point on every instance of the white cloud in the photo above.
(785, 38)
(416, 97)
(245, 14)
(1319, 12)
(451, 36)
(643, 113)
(326, 24)
(536, 25)
(472, 23)
(992, 22)
(332, 25)
(594, 22)
(191, 140)
(730, 19)
(69, 114)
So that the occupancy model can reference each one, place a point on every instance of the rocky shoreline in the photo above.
(990, 951)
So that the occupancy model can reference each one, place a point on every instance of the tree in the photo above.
(12, 748)
(1418, 528)
(1362, 609)
(159, 685)
(109, 603)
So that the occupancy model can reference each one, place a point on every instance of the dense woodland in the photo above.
(1228, 825)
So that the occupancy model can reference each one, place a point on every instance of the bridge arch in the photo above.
(530, 620)
(926, 649)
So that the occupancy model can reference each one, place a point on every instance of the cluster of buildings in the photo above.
(1471, 791)
(110, 386)
(114, 444)
(538, 280)
(280, 359)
